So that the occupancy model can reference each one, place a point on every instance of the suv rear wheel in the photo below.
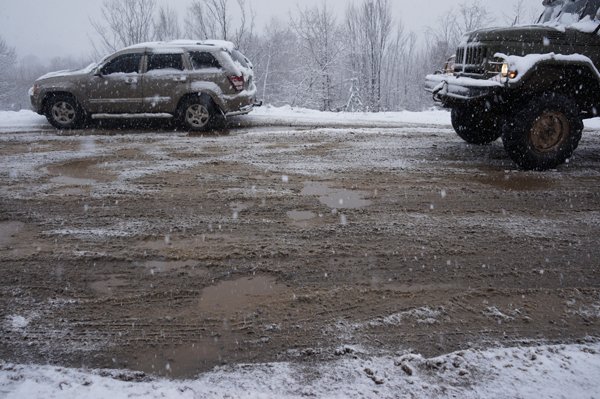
(63, 112)
(197, 113)
(475, 125)
(544, 133)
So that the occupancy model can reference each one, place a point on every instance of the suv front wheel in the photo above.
(543, 133)
(197, 113)
(63, 112)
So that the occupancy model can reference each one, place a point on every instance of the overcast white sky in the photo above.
(49, 28)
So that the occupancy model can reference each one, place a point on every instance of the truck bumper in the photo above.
(449, 89)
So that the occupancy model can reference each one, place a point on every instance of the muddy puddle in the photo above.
(109, 286)
(188, 267)
(80, 172)
(180, 361)
(336, 198)
(8, 231)
(517, 181)
(303, 218)
(232, 296)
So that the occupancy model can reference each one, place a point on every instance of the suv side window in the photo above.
(203, 60)
(126, 63)
(165, 61)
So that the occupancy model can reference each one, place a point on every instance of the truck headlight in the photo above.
(507, 72)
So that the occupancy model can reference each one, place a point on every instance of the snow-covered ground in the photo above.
(565, 371)
(28, 120)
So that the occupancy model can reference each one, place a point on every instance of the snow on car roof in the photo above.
(179, 44)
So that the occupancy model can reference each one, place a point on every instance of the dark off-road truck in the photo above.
(532, 85)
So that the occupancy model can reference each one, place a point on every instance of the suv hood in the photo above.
(69, 73)
(523, 34)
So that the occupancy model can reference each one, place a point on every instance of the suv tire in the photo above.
(475, 125)
(543, 133)
(63, 112)
(197, 113)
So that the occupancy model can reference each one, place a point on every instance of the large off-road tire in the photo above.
(543, 133)
(197, 113)
(476, 125)
(64, 113)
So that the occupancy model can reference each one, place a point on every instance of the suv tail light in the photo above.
(237, 82)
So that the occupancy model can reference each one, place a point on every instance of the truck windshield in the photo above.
(567, 12)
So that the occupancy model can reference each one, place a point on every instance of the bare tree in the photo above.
(276, 61)
(8, 61)
(320, 41)
(213, 19)
(369, 29)
(472, 15)
(166, 26)
(123, 23)
(520, 14)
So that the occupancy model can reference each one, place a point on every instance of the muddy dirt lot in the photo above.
(167, 253)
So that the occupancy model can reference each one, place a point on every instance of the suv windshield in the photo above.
(568, 11)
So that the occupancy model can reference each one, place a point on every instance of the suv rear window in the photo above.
(204, 60)
(165, 61)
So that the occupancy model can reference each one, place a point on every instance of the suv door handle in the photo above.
(131, 81)
(180, 79)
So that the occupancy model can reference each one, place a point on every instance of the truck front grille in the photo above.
(471, 59)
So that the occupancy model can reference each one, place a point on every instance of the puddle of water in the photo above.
(188, 267)
(108, 287)
(72, 181)
(80, 172)
(232, 296)
(517, 182)
(8, 230)
(301, 216)
(336, 198)
(183, 361)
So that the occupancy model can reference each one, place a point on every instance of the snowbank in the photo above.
(539, 372)
(23, 120)
(302, 115)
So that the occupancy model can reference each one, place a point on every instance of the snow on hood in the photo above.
(522, 64)
(69, 72)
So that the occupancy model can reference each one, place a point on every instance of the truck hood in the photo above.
(523, 34)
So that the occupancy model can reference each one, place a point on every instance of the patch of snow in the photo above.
(294, 115)
(16, 322)
(538, 372)
(24, 120)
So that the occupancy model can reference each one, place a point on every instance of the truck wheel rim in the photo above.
(549, 131)
(197, 115)
(63, 112)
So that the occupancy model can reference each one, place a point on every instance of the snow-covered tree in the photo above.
(214, 19)
(166, 25)
(320, 42)
(8, 60)
(369, 30)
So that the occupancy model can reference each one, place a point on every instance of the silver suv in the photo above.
(194, 82)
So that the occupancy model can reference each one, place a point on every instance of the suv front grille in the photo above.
(471, 59)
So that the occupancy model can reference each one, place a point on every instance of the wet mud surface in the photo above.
(172, 254)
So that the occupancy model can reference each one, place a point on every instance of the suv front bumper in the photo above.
(450, 88)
